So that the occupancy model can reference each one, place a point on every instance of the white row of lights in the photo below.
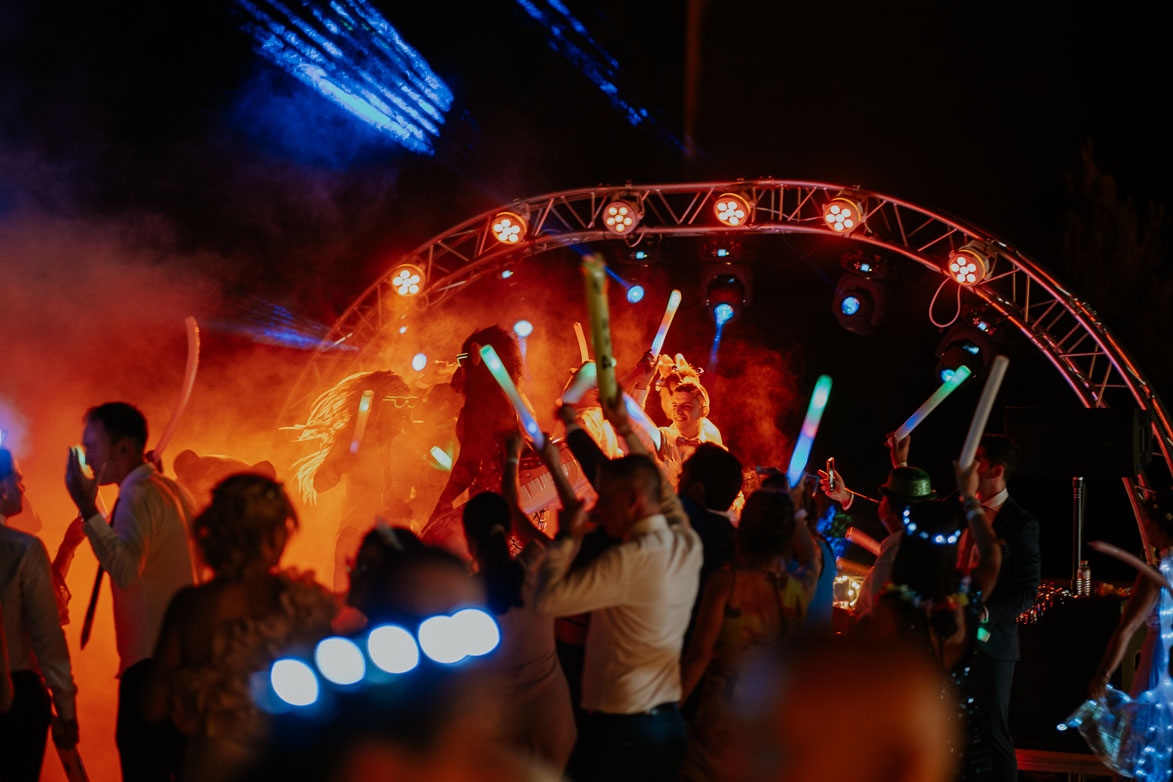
(391, 649)
(843, 214)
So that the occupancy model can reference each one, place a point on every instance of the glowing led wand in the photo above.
(930, 404)
(810, 427)
(529, 422)
(666, 323)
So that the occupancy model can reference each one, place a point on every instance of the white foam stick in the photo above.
(360, 423)
(525, 413)
(189, 376)
(978, 425)
(930, 404)
(863, 540)
(1145, 570)
(584, 352)
(584, 380)
(594, 274)
(666, 323)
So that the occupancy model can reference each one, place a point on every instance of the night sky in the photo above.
(161, 118)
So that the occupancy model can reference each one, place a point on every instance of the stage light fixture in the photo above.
(970, 264)
(727, 288)
(732, 210)
(419, 361)
(523, 328)
(509, 227)
(972, 341)
(861, 293)
(408, 279)
(635, 294)
(621, 217)
(843, 214)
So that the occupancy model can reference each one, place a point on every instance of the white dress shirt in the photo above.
(147, 554)
(32, 629)
(640, 594)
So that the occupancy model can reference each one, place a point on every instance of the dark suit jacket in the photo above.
(1018, 579)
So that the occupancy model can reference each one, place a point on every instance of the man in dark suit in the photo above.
(1015, 592)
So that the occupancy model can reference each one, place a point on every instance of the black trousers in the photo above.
(24, 729)
(630, 747)
(993, 681)
(149, 752)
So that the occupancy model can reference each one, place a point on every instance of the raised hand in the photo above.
(83, 489)
(967, 479)
(833, 487)
(898, 449)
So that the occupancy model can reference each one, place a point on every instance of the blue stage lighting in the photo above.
(635, 294)
(350, 54)
(340, 660)
(523, 328)
(393, 649)
(294, 682)
(723, 313)
(419, 361)
(849, 305)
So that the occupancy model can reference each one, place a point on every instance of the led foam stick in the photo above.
(441, 456)
(584, 380)
(584, 352)
(982, 414)
(666, 323)
(1147, 571)
(189, 376)
(810, 427)
(938, 396)
(863, 540)
(638, 417)
(360, 422)
(528, 422)
(594, 273)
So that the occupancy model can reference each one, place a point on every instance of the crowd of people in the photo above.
(678, 627)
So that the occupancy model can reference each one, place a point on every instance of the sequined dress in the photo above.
(974, 763)
(1134, 736)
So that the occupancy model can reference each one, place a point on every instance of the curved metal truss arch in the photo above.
(1058, 323)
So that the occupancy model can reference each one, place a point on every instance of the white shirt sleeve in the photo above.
(601, 584)
(43, 626)
(121, 548)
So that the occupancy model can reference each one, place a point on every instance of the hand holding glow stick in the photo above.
(982, 414)
(594, 273)
(930, 404)
(810, 427)
(1145, 570)
(584, 380)
(189, 376)
(584, 352)
(529, 422)
(666, 323)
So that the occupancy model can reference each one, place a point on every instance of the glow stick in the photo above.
(524, 414)
(930, 404)
(189, 376)
(360, 422)
(1147, 571)
(982, 414)
(584, 353)
(666, 323)
(442, 457)
(594, 274)
(638, 417)
(584, 380)
(863, 540)
(810, 427)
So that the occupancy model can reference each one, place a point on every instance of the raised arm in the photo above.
(523, 528)
(985, 575)
(670, 504)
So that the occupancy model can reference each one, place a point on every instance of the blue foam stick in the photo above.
(810, 427)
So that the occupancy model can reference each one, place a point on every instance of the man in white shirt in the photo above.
(145, 550)
(35, 643)
(640, 594)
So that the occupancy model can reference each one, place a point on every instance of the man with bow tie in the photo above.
(690, 427)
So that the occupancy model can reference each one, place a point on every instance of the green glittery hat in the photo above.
(908, 484)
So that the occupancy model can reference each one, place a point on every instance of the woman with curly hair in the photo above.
(934, 605)
(217, 634)
(751, 606)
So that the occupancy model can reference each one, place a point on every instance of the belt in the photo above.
(664, 708)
